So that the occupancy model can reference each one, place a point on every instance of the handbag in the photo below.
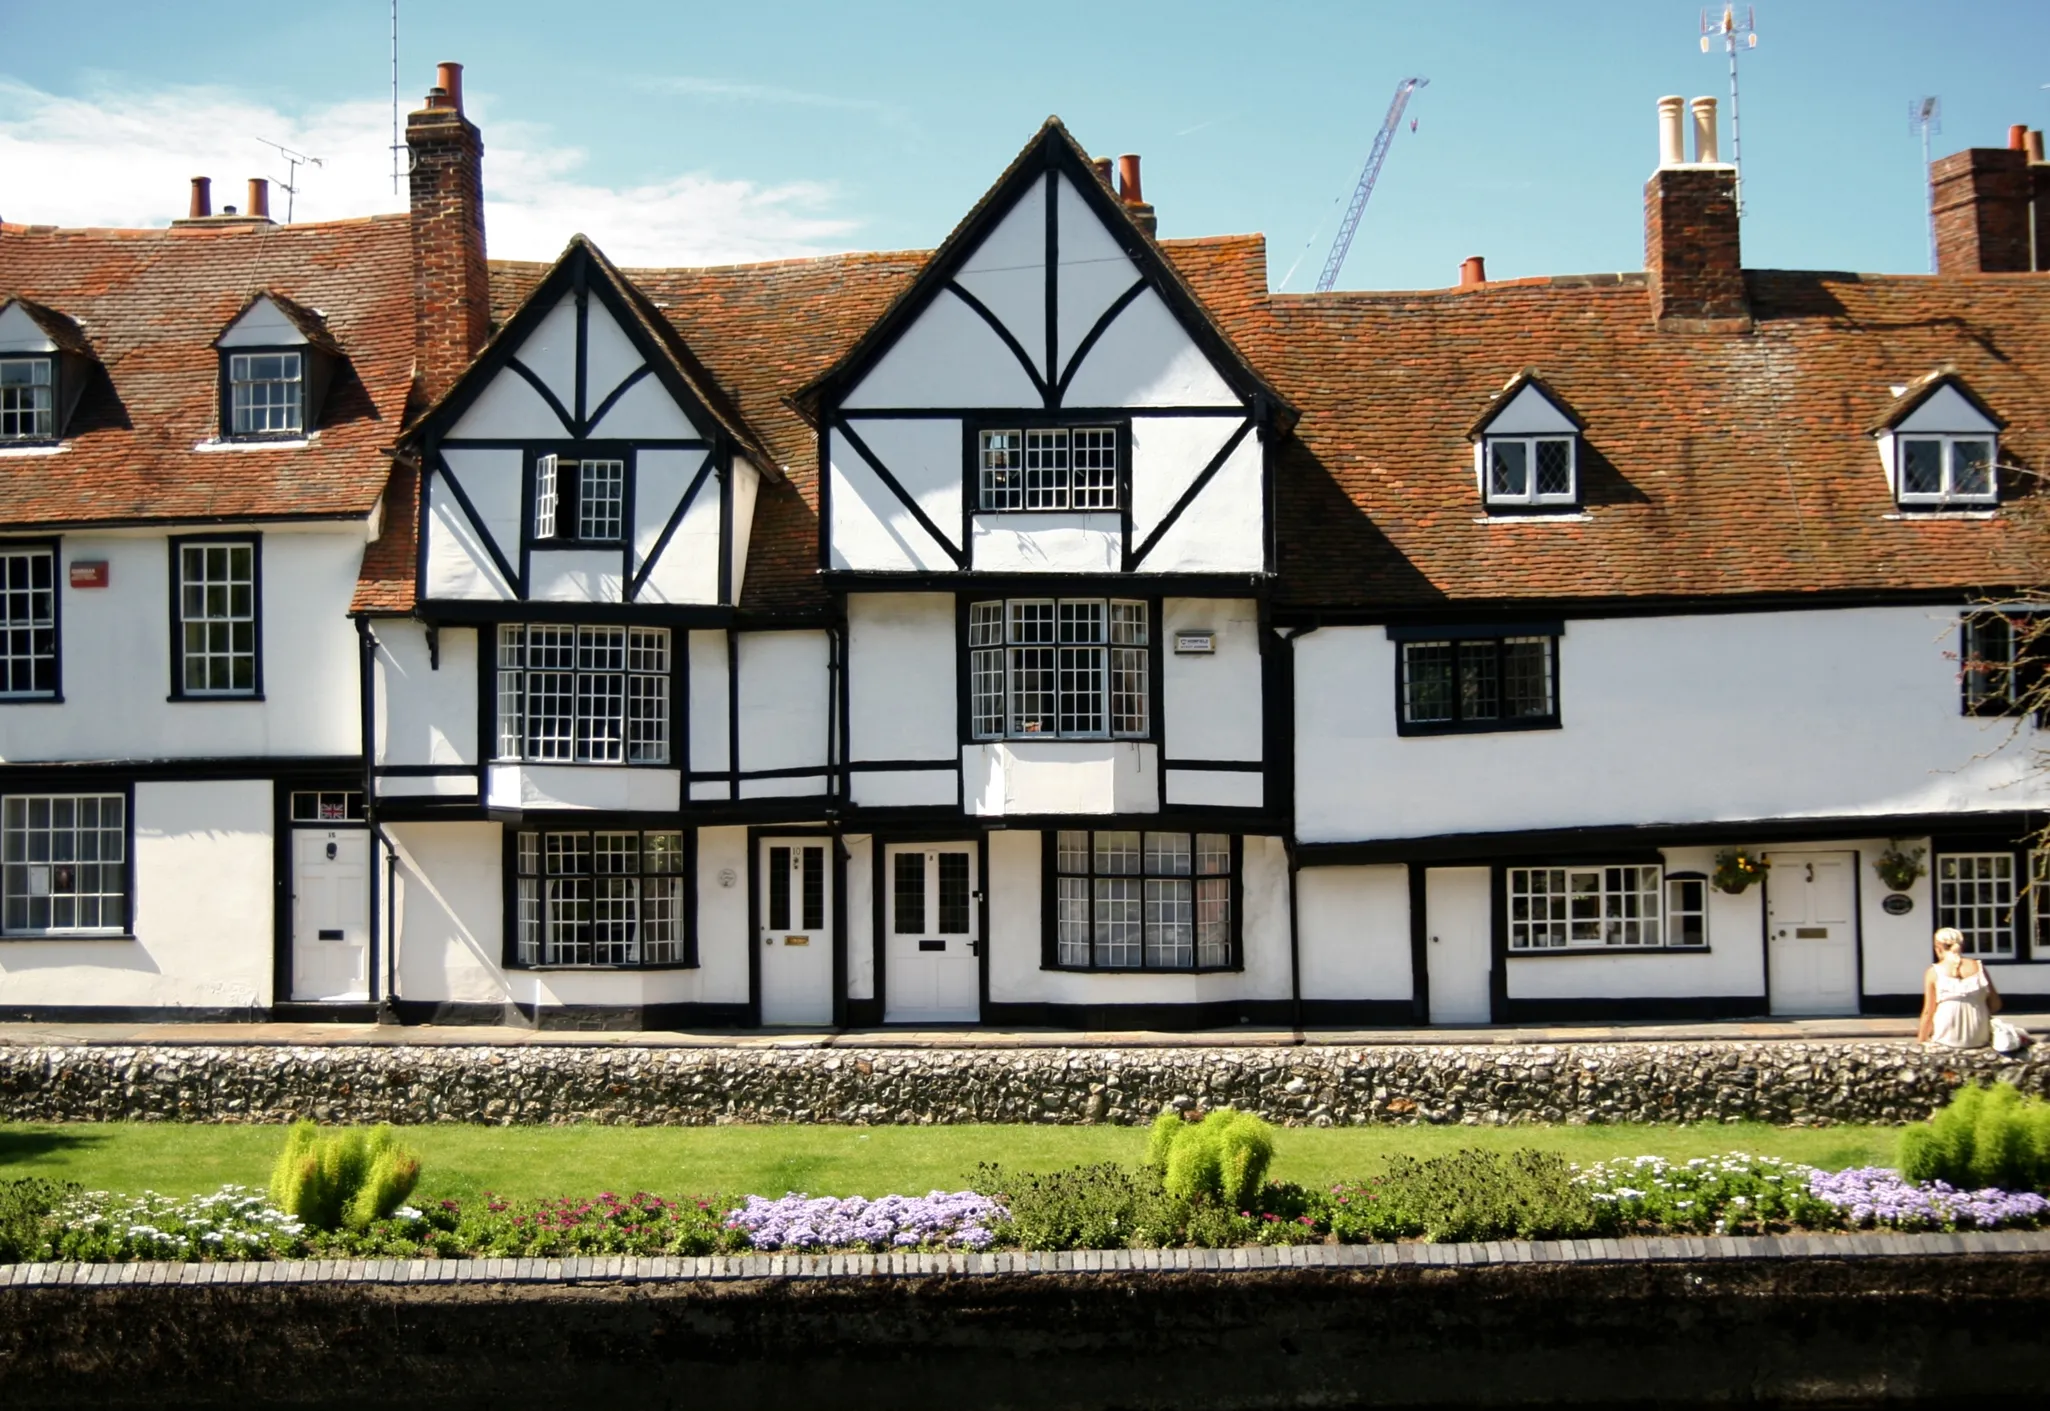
(2009, 1037)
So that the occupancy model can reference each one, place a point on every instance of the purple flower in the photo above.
(940, 1220)
(1876, 1196)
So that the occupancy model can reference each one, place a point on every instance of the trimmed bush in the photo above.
(1486, 1195)
(1984, 1136)
(347, 1179)
(1224, 1158)
(23, 1206)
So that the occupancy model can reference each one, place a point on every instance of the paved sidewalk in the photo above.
(1853, 1029)
(1259, 1259)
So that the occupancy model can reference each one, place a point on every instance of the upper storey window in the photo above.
(1049, 468)
(579, 501)
(27, 410)
(277, 361)
(1940, 445)
(1043, 668)
(266, 394)
(1527, 448)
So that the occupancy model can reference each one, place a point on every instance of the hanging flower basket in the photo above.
(1900, 868)
(1736, 869)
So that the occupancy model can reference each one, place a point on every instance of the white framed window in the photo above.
(1048, 468)
(601, 898)
(28, 622)
(217, 618)
(570, 694)
(26, 401)
(266, 394)
(1946, 470)
(63, 864)
(1482, 683)
(1067, 668)
(1686, 910)
(1564, 908)
(547, 495)
(579, 501)
(1975, 892)
(1531, 470)
(2039, 903)
(1130, 900)
(601, 499)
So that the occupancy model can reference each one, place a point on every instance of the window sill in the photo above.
(1511, 514)
(1490, 727)
(606, 969)
(1061, 740)
(31, 700)
(180, 698)
(1143, 970)
(34, 448)
(16, 937)
(715, 774)
(1562, 952)
(258, 443)
(1943, 512)
(613, 544)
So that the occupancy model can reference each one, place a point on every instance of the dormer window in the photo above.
(579, 501)
(1940, 445)
(26, 402)
(266, 394)
(1527, 448)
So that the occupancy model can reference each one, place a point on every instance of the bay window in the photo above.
(1131, 900)
(1066, 668)
(602, 898)
(570, 694)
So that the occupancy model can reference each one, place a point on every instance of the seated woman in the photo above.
(1958, 998)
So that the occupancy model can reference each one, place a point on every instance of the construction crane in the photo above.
(1343, 242)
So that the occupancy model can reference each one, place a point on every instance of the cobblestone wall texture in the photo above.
(1812, 1083)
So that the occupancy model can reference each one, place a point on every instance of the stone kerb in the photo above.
(1797, 1083)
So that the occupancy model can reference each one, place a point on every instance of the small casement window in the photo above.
(1531, 470)
(1143, 901)
(1686, 910)
(28, 623)
(1947, 470)
(583, 695)
(579, 501)
(217, 619)
(1062, 668)
(26, 403)
(612, 898)
(1975, 892)
(1049, 468)
(1488, 683)
(266, 394)
(1567, 908)
(2039, 901)
(63, 864)
(327, 805)
(1999, 663)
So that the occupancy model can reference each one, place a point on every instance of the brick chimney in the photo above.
(1983, 200)
(1690, 230)
(451, 286)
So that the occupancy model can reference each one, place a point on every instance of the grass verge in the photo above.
(461, 1162)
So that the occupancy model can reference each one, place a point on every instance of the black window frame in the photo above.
(125, 791)
(1531, 502)
(1024, 421)
(306, 355)
(590, 826)
(569, 494)
(1051, 874)
(55, 549)
(1080, 592)
(1458, 637)
(177, 544)
(2001, 688)
(489, 637)
(56, 432)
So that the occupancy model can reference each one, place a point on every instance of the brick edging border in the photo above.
(1255, 1259)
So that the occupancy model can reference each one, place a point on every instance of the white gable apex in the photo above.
(1530, 413)
(1947, 410)
(21, 334)
(263, 325)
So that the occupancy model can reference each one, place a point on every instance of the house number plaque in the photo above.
(1897, 904)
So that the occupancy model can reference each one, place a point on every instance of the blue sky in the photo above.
(682, 133)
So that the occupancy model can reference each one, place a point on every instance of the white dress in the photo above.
(1962, 1019)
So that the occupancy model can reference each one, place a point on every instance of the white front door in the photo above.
(1458, 918)
(796, 943)
(330, 914)
(931, 969)
(1811, 934)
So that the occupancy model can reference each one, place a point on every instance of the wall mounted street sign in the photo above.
(1195, 643)
(88, 573)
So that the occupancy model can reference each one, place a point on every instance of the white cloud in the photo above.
(126, 156)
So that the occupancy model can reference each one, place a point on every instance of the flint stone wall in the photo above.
(1800, 1083)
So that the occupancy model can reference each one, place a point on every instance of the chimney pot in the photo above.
(2018, 137)
(202, 198)
(2033, 145)
(1705, 146)
(1672, 152)
(1128, 179)
(259, 197)
(227, 210)
(449, 79)
(437, 97)
(1102, 165)
(1473, 270)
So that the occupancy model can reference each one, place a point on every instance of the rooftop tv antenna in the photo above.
(1733, 30)
(396, 145)
(293, 161)
(1926, 115)
(1342, 243)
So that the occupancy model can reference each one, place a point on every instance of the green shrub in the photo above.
(1984, 1136)
(347, 1179)
(1484, 1195)
(1222, 1159)
(23, 1206)
(1084, 1207)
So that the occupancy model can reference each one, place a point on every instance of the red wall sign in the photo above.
(88, 573)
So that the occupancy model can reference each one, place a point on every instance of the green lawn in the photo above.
(536, 1161)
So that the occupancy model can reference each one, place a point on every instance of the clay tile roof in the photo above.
(1727, 464)
(152, 302)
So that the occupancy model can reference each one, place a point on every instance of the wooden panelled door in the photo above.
(796, 940)
(1811, 933)
(932, 965)
(330, 914)
(1459, 914)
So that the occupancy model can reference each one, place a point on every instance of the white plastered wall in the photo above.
(117, 658)
(1353, 932)
(783, 711)
(1039, 777)
(1723, 716)
(202, 911)
(901, 701)
(709, 714)
(1221, 530)
(688, 569)
(871, 527)
(425, 715)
